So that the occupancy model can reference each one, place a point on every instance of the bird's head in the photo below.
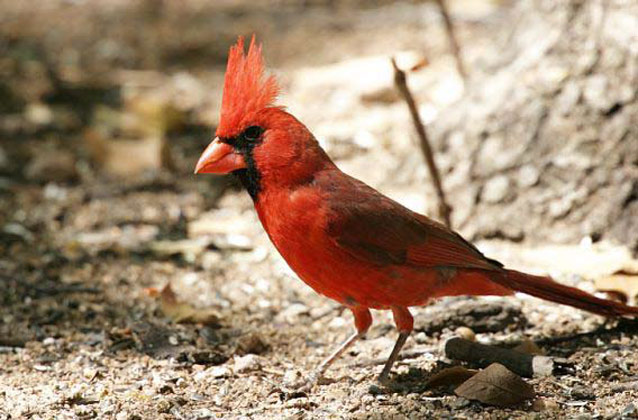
(256, 139)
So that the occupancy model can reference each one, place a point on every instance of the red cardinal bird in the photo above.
(343, 238)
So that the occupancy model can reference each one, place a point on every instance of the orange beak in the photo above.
(219, 158)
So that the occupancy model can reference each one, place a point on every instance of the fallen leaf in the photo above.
(452, 376)
(496, 385)
(184, 313)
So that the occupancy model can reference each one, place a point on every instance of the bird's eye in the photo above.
(252, 133)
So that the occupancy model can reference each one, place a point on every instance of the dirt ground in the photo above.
(89, 237)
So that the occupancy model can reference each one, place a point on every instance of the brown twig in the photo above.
(449, 28)
(400, 81)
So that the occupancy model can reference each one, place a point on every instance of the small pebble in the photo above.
(247, 363)
(90, 373)
(460, 403)
(301, 402)
(580, 392)
(198, 397)
(164, 406)
(292, 377)
(337, 323)
(49, 341)
(551, 405)
(496, 189)
(213, 372)
(541, 404)
(293, 312)
(538, 405)
(421, 337)
(466, 333)
(631, 411)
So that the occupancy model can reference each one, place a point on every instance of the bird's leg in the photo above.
(383, 376)
(362, 321)
(325, 364)
(404, 322)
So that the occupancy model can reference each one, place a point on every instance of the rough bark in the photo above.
(550, 124)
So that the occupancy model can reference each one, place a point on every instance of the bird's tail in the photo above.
(546, 288)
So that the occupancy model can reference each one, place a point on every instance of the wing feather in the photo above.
(380, 231)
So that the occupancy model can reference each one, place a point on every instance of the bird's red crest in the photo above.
(246, 87)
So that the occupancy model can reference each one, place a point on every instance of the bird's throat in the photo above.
(250, 177)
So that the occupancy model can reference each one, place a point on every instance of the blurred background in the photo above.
(105, 107)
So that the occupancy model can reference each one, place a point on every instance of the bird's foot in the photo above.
(380, 385)
(383, 379)
(311, 381)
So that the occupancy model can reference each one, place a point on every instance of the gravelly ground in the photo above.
(84, 335)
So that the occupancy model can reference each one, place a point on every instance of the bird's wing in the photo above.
(380, 231)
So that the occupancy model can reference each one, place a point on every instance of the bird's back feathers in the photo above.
(377, 229)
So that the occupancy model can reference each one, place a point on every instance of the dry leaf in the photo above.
(184, 313)
(622, 283)
(529, 347)
(496, 385)
(455, 376)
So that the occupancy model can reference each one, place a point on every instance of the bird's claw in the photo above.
(383, 380)
(382, 385)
